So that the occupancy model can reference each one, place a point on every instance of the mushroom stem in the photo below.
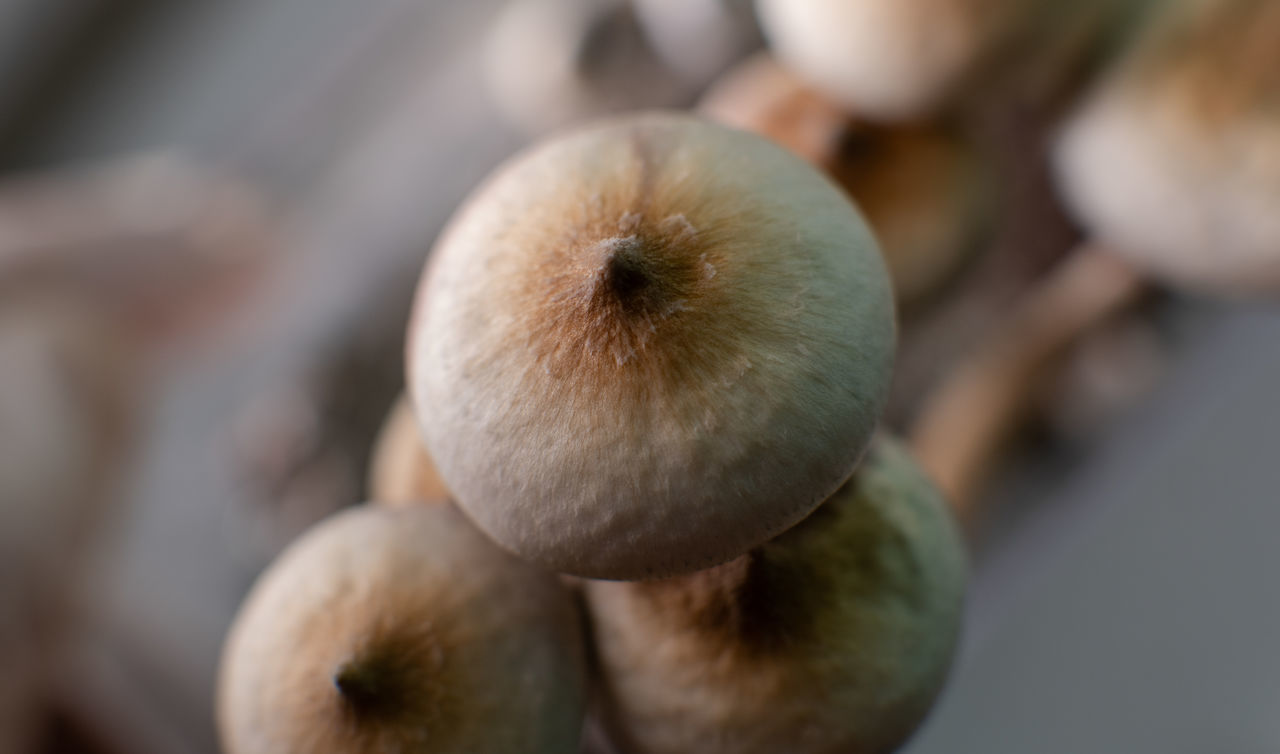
(964, 424)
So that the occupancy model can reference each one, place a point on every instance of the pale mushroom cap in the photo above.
(761, 96)
(834, 638)
(1174, 162)
(648, 346)
(400, 470)
(883, 59)
(552, 63)
(698, 38)
(402, 630)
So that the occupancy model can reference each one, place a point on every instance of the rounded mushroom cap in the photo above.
(402, 629)
(649, 345)
(835, 637)
(883, 59)
(1174, 162)
(400, 471)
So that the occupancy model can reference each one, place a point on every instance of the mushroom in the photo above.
(760, 96)
(1173, 163)
(923, 189)
(400, 471)
(699, 38)
(649, 345)
(550, 63)
(402, 629)
(889, 60)
(1172, 166)
(834, 637)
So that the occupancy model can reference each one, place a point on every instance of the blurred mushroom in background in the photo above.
(890, 60)
(699, 39)
(551, 63)
(100, 272)
(926, 189)
(1173, 161)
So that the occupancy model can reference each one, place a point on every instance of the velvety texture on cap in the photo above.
(834, 638)
(402, 630)
(649, 345)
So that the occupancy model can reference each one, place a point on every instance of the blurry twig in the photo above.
(963, 425)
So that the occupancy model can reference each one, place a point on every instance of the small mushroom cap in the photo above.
(650, 345)
(551, 63)
(835, 637)
(1174, 162)
(402, 629)
(699, 38)
(400, 471)
(886, 59)
(761, 96)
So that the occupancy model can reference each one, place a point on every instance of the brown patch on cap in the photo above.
(396, 681)
(1222, 58)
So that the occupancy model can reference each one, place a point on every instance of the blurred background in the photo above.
(212, 216)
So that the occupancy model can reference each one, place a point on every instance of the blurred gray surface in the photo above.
(1139, 610)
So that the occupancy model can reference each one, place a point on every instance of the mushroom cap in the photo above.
(924, 190)
(402, 629)
(761, 96)
(883, 59)
(400, 471)
(648, 346)
(1174, 161)
(930, 198)
(550, 63)
(699, 38)
(835, 637)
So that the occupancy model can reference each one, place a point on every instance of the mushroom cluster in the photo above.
(1130, 145)
(649, 355)
(640, 495)
(639, 484)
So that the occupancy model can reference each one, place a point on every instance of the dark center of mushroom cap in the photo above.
(630, 276)
(369, 688)
(391, 683)
(616, 293)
